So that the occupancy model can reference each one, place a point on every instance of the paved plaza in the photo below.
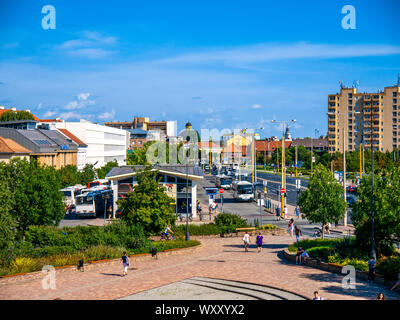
(216, 260)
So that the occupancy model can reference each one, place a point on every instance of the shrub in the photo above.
(230, 220)
(320, 252)
(198, 230)
(389, 267)
(102, 252)
(268, 227)
(23, 264)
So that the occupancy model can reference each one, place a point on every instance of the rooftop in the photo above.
(10, 146)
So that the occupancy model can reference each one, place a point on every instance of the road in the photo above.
(250, 211)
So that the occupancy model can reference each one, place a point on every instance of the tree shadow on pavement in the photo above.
(112, 274)
(363, 289)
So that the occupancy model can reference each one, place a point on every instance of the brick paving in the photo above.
(222, 258)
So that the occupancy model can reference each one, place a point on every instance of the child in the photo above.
(246, 240)
(125, 263)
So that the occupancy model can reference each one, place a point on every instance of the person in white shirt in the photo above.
(246, 240)
(316, 296)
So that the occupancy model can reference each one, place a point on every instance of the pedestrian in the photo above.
(125, 263)
(380, 296)
(110, 212)
(246, 240)
(298, 233)
(371, 269)
(397, 284)
(198, 209)
(259, 241)
(291, 227)
(317, 296)
(328, 228)
(300, 251)
(278, 213)
(304, 256)
(297, 212)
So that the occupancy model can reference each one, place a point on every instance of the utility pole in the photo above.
(373, 253)
(285, 124)
(295, 156)
(344, 168)
(311, 156)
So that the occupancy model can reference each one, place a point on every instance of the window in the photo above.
(350, 95)
(394, 94)
(394, 107)
(394, 114)
(350, 101)
(394, 100)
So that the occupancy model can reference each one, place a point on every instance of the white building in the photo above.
(104, 144)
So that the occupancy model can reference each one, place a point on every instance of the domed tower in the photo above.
(288, 136)
(188, 126)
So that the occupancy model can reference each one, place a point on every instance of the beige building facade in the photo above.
(355, 119)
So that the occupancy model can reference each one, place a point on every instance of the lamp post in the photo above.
(187, 237)
(344, 115)
(285, 124)
(373, 252)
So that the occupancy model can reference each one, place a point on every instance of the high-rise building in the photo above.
(357, 118)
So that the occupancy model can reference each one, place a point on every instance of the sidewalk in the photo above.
(218, 258)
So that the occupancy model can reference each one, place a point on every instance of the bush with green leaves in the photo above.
(231, 221)
(198, 230)
(321, 253)
(389, 267)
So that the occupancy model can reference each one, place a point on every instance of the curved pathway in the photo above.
(221, 262)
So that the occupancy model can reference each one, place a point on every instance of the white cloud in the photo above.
(49, 114)
(92, 45)
(256, 106)
(70, 115)
(81, 101)
(270, 52)
(107, 115)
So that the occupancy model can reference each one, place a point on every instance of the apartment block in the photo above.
(360, 118)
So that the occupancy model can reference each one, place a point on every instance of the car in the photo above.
(351, 189)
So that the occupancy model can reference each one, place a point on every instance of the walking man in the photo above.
(297, 212)
(259, 241)
(246, 240)
(278, 213)
(125, 263)
(371, 269)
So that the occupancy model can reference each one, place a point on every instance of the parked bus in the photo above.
(98, 182)
(93, 202)
(70, 194)
(223, 181)
(243, 191)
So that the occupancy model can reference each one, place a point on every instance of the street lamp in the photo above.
(285, 124)
(187, 236)
(344, 115)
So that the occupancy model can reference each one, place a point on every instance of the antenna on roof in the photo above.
(398, 79)
(355, 84)
(341, 84)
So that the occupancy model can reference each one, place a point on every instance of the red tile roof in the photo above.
(73, 137)
(269, 146)
(10, 146)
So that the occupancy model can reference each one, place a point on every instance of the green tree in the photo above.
(37, 196)
(24, 115)
(87, 174)
(7, 222)
(69, 176)
(323, 202)
(102, 172)
(386, 211)
(147, 205)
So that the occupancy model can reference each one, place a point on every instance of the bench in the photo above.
(244, 229)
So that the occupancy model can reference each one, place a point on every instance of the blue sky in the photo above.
(218, 64)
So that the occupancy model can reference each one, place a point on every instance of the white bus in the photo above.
(70, 194)
(243, 191)
(94, 202)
